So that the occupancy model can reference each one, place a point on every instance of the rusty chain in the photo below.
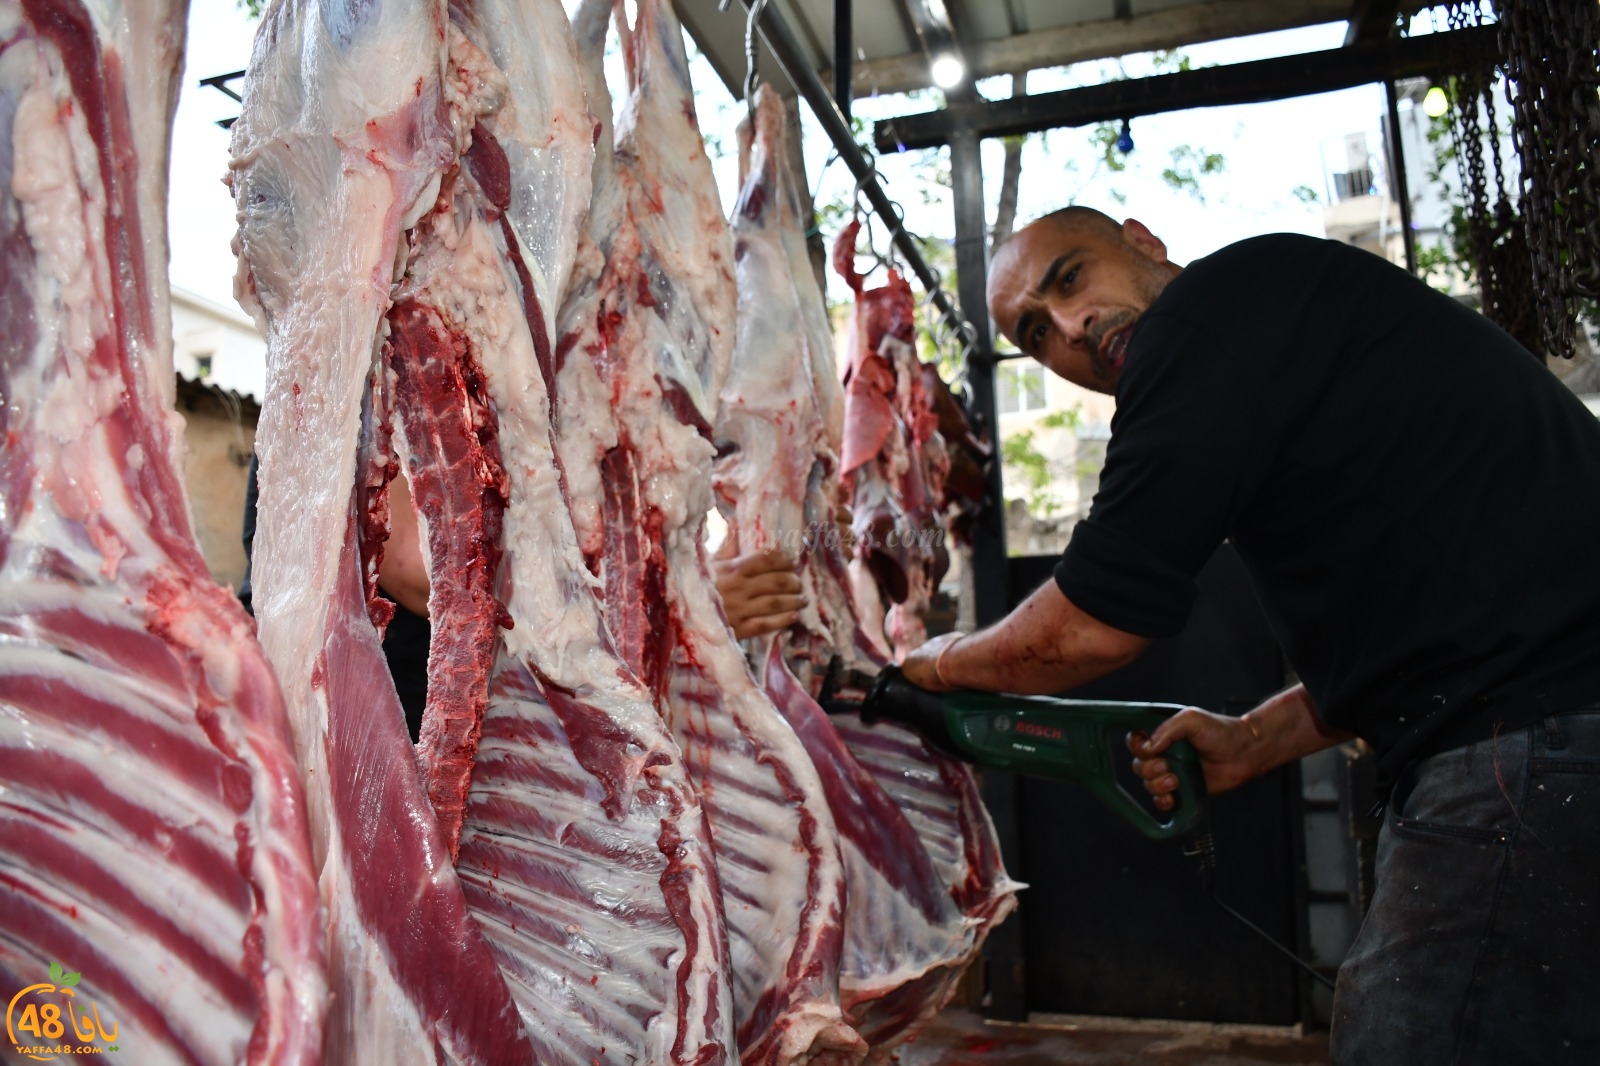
(1491, 230)
(1551, 52)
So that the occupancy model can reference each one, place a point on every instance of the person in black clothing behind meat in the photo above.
(402, 578)
(1417, 501)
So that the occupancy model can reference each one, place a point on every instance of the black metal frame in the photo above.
(223, 84)
(1284, 77)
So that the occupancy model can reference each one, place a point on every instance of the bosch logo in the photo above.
(1002, 724)
(1034, 729)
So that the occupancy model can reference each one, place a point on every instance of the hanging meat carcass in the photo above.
(924, 882)
(646, 339)
(153, 834)
(430, 218)
(892, 462)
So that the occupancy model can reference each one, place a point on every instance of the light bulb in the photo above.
(1435, 103)
(948, 71)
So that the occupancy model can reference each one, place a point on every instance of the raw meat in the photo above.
(961, 486)
(912, 919)
(890, 450)
(584, 854)
(189, 908)
(441, 207)
(646, 338)
(327, 179)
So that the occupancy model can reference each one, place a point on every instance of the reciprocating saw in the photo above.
(1042, 736)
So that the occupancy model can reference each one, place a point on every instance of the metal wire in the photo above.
(1202, 847)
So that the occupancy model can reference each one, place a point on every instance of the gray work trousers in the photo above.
(1482, 944)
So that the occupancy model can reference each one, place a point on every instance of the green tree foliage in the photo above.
(1033, 471)
(1030, 469)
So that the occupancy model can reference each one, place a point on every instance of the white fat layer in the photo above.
(548, 135)
(83, 519)
(901, 945)
(461, 268)
(585, 430)
(202, 1027)
(772, 865)
(607, 981)
(684, 338)
(341, 138)
(558, 624)
(343, 133)
(56, 182)
(781, 388)
(676, 206)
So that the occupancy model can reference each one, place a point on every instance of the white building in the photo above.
(1056, 433)
(217, 345)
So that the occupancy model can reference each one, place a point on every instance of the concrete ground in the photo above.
(962, 1038)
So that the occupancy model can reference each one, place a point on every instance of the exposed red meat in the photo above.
(647, 334)
(459, 489)
(443, 201)
(152, 822)
(895, 461)
(912, 921)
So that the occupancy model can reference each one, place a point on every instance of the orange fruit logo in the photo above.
(45, 1022)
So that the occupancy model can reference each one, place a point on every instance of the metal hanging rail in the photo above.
(796, 66)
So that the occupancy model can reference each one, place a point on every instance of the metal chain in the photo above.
(1491, 230)
(1551, 50)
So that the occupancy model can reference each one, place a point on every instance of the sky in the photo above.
(1270, 150)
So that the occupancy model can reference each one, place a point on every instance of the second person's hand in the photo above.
(760, 592)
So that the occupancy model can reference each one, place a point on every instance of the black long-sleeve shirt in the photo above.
(1416, 498)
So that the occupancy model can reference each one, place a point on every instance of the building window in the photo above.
(202, 365)
(1021, 388)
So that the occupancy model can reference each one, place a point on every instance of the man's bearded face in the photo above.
(1068, 293)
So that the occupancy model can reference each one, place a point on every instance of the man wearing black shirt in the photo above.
(1417, 501)
(402, 579)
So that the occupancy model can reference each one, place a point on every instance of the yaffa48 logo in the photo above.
(49, 1020)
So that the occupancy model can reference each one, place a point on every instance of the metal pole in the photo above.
(843, 27)
(796, 65)
(1005, 952)
(1397, 176)
(972, 273)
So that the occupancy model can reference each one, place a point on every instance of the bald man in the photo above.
(1417, 501)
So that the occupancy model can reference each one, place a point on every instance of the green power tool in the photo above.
(1066, 740)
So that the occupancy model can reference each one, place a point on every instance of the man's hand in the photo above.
(1233, 750)
(1229, 752)
(760, 592)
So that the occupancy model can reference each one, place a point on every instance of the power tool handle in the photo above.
(1184, 763)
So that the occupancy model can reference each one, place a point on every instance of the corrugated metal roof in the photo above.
(995, 36)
